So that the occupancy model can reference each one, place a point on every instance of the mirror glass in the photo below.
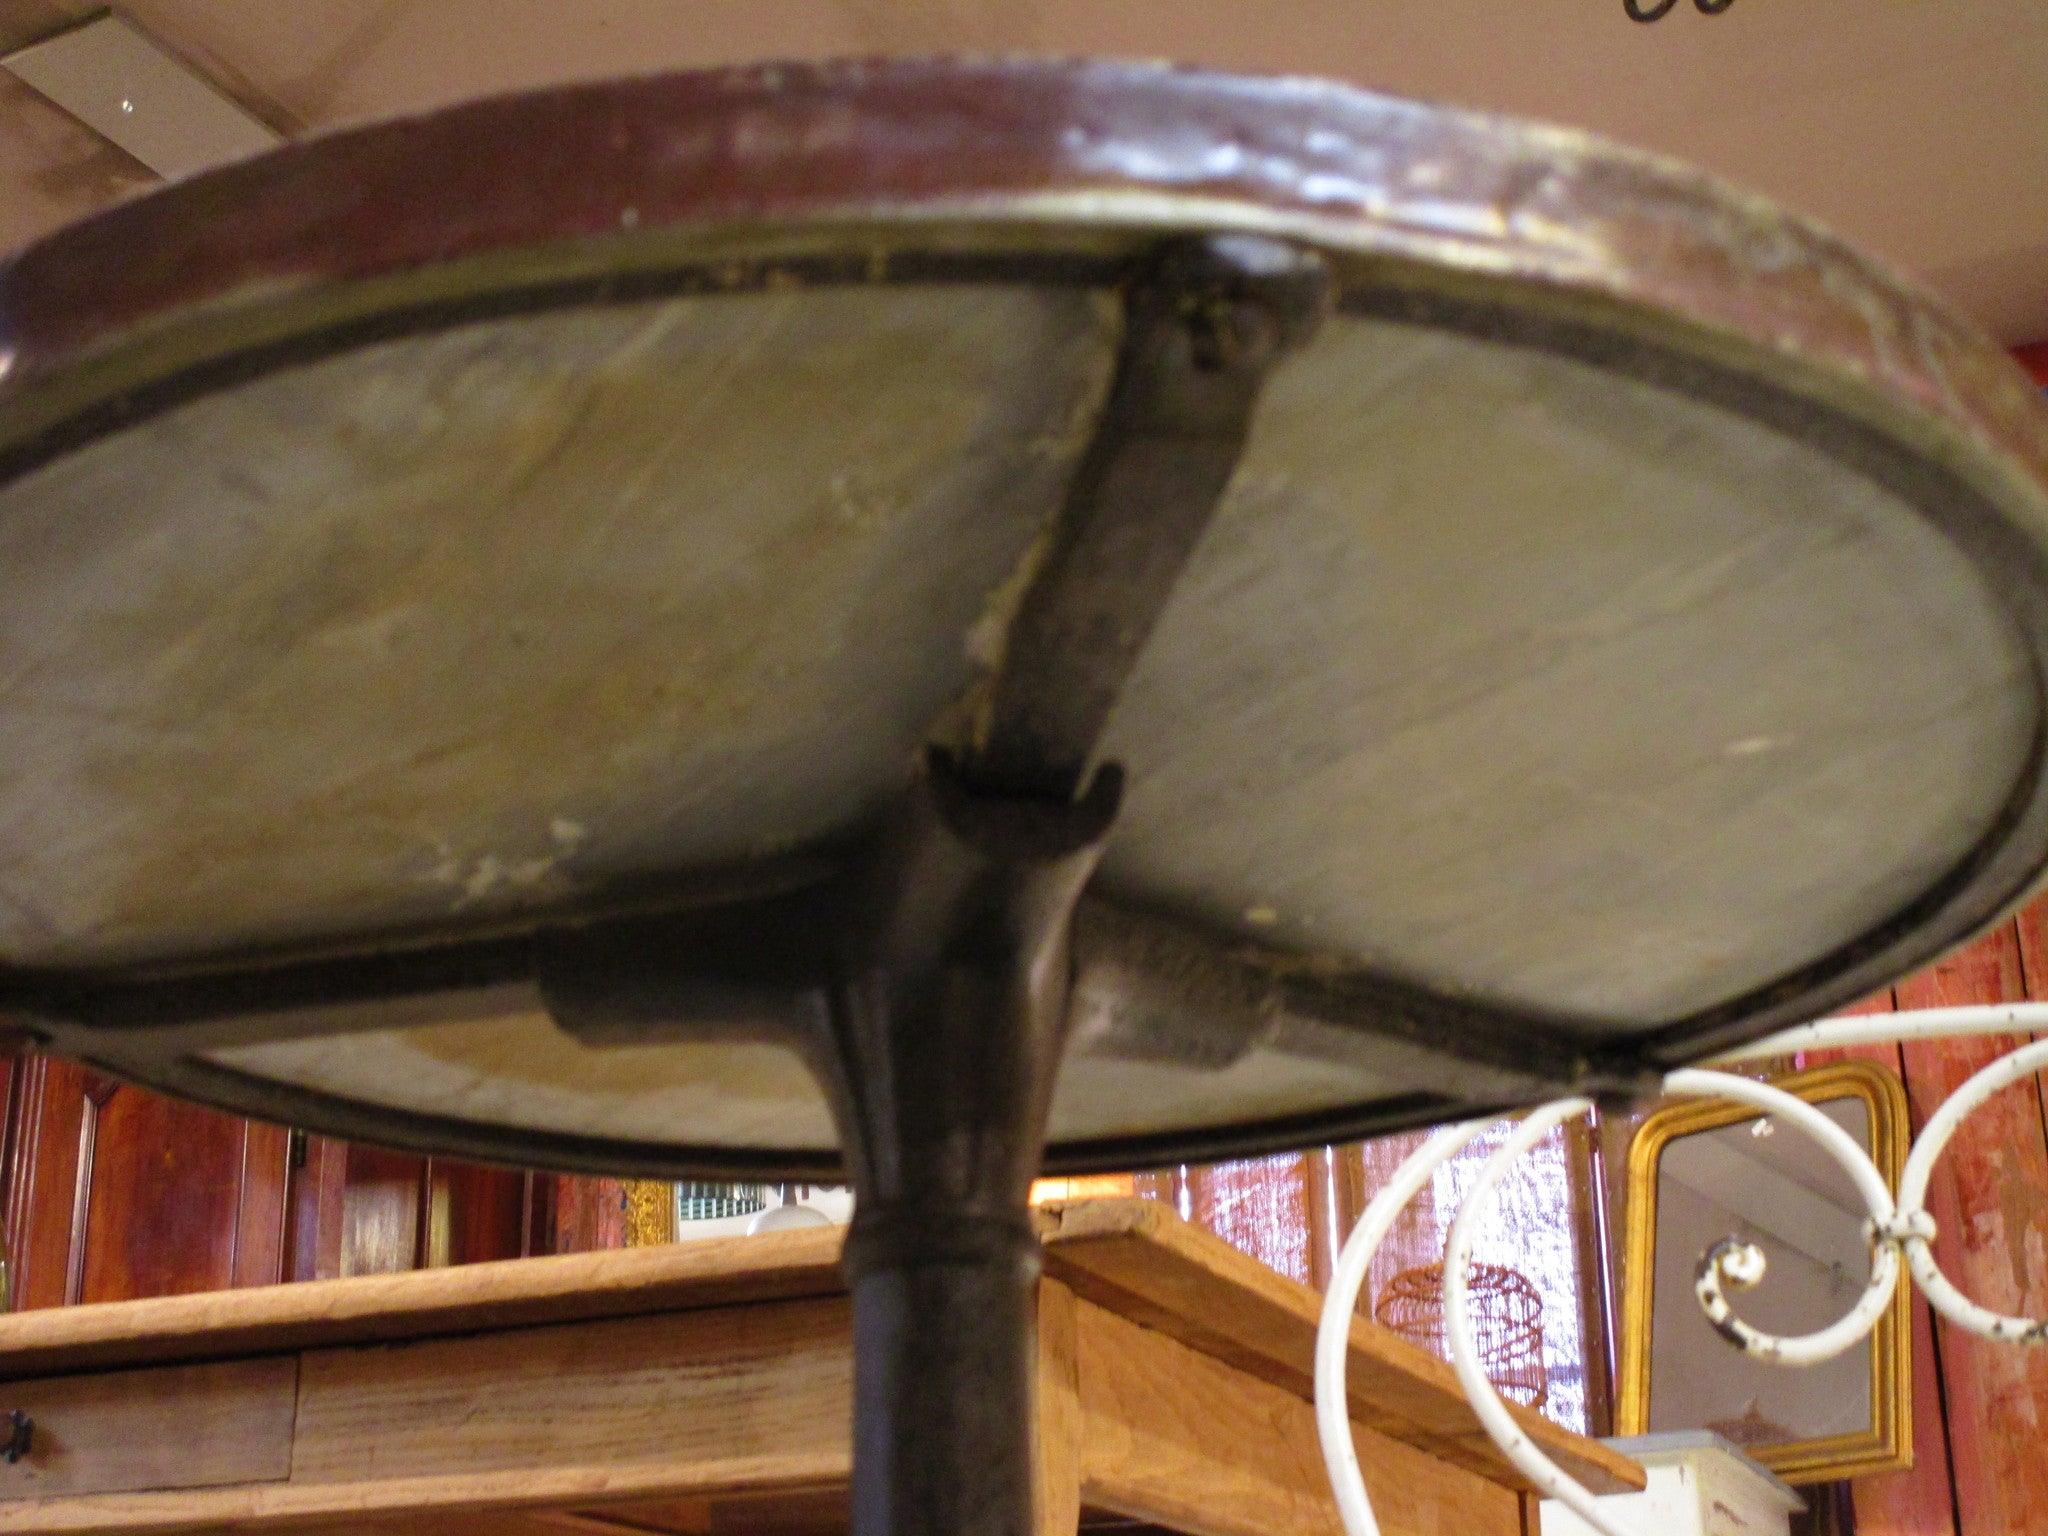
(1777, 1189)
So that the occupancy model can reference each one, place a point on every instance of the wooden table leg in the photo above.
(1057, 1453)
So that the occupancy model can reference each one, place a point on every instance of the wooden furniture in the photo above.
(705, 1388)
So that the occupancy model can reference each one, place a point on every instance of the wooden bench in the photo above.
(706, 1388)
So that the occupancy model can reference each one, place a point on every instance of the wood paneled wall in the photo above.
(114, 1193)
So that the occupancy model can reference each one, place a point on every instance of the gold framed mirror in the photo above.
(1703, 1170)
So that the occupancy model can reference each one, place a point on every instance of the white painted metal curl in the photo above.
(1551, 1479)
(1912, 1228)
(1916, 1229)
(1333, 1333)
(1891, 1028)
(1896, 1227)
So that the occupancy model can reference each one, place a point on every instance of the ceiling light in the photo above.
(124, 86)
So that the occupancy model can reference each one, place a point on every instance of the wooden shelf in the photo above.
(707, 1387)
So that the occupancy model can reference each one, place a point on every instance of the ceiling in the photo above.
(1918, 128)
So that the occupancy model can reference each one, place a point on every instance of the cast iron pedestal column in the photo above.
(948, 1017)
(949, 991)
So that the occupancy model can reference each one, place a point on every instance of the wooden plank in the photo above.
(556, 1521)
(815, 1512)
(493, 1523)
(349, 1505)
(719, 1403)
(1132, 1256)
(719, 1396)
(676, 1517)
(1139, 1260)
(1989, 1199)
(694, 1517)
(188, 1426)
(515, 1293)
(1176, 1437)
(819, 1512)
(1057, 1423)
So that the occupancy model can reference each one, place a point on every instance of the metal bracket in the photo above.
(1204, 325)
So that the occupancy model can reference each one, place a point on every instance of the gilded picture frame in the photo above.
(1886, 1444)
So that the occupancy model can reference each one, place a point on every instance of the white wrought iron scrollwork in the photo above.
(1900, 1230)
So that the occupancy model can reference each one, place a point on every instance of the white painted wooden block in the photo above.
(1700, 1485)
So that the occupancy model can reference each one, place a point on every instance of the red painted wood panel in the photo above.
(318, 1192)
(162, 1198)
(114, 1193)
(1331, 1205)
(589, 1214)
(1596, 1295)
(541, 1205)
(477, 1214)
(1989, 1199)
(46, 1111)
(1919, 1502)
(262, 1210)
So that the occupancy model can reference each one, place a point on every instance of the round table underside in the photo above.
(1624, 623)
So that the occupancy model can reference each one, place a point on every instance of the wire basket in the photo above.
(1507, 1320)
